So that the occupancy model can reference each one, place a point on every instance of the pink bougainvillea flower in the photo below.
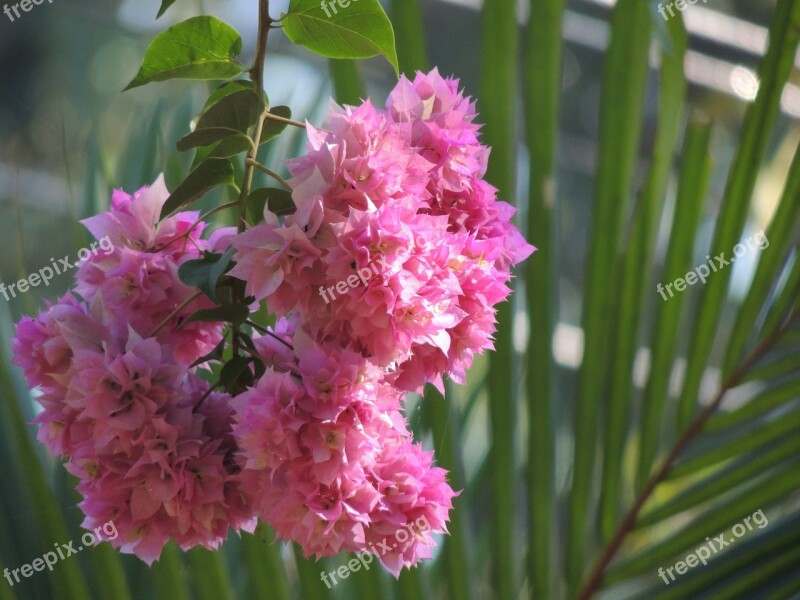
(385, 278)
(415, 250)
(151, 446)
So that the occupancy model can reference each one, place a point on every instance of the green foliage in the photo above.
(621, 106)
(165, 4)
(277, 200)
(499, 53)
(212, 172)
(204, 273)
(199, 48)
(359, 29)
(231, 116)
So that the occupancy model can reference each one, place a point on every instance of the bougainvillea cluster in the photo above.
(384, 278)
(402, 188)
(111, 364)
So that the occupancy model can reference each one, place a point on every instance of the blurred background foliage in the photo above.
(604, 120)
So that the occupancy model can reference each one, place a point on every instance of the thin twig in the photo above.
(175, 312)
(598, 571)
(270, 172)
(256, 326)
(199, 220)
(273, 117)
(266, 331)
(206, 395)
(257, 76)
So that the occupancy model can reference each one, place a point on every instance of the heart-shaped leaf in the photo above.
(231, 116)
(272, 127)
(204, 273)
(199, 48)
(208, 175)
(341, 29)
(278, 200)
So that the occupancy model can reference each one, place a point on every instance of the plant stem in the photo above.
(256, 326)
(200, 219)
(269, 172)
(598, 571)
(177, 310)
(257, 77)
(273, 117)
(206, 395)
(266, 331)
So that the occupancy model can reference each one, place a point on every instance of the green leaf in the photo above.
(272, 127)
(692, 188)
(200, 48)
(225, 313)
(231, 116)
(309, 582)
(237, 144)
(786, 297)
(348, 88)
(68, 578)
(755, 437)
(226, 89)
(763, 403)
(774, 540)
(206, 176)
(196, 273)
(165, 4)
(712, 521)
(779, 239)
(278, 200)
(499, 74)
(6, 592)
(342, 29)
(444, 415)
(264, 565)
(759, 120)
(622, 102)
(410, 32)
(235, 375)
(169, 574)
(543, 78)
(204, 273)
(209, 574)
(745, 469)
(236, 141)
(635, 293)
(109, 572)
(220, 267)
(216, 354)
